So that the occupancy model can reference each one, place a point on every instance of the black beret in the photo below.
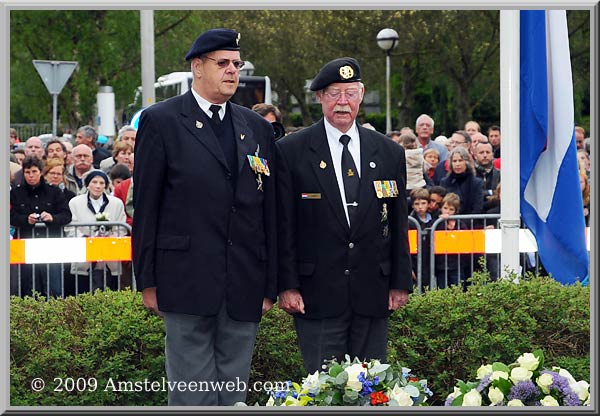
(214, 40)
(92, 174)
(338, 70)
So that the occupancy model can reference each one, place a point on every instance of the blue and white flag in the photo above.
(551, 202)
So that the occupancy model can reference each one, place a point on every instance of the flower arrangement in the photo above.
(355, 383)
(522, 383)
(102, 216)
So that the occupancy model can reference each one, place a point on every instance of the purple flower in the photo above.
(367, 385)
(485, 381)
(525, 391)
(561, 385)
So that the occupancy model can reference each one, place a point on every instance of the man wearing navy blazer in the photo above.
(342, 220)
(204, 230)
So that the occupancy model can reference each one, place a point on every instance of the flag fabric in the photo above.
(551, 201)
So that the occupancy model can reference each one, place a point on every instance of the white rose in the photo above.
(483, 371)
(499, 374)
(515, 402)
(472, 398)
(311, 381)
(549, 401)
(496, 396)
(568, 375)
(528, 361)
(401, 396)
(353, 372)
(544, 381)
(582, 388)
(270, 402)
(455, 393)
(520, 374)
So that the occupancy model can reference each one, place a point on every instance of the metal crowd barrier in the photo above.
(85, 257)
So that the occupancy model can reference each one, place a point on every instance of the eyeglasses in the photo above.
(336, 94)
(224, 63)
(454, 143)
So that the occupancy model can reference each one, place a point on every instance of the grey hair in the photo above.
(425, 116)
(124, 130)
(464, 154)
(89, 131)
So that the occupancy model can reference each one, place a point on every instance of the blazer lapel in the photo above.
(196, 122)
(369, 170)
(323, 166)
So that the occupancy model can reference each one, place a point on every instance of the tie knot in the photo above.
(345, 139)
(215, 110)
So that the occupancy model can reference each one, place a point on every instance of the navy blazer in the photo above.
(196, 238)
(335, 266)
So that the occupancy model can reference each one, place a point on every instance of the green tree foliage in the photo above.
(446, 63)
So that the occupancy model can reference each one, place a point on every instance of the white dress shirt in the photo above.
(205, 105)
(336, 148)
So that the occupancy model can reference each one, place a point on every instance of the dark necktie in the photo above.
(215, 113)
(350, 177)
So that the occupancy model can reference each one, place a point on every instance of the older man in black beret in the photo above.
(204, 239)
(344, 257)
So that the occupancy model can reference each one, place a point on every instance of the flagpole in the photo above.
(509, 122)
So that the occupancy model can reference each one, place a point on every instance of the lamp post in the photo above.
(387, 39)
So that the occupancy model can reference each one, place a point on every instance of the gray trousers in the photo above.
(211, 355)
(357, 336)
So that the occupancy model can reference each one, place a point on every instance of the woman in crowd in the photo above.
(462, 181)
(54, 174)
(96, 206)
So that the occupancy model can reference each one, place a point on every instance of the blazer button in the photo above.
(351, 245)
(229, 242)
(233, 209)
(347, 272)
(228, 176)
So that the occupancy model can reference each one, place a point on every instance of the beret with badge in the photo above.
(339, 70)
(214, 40)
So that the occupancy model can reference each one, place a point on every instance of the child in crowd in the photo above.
(450, 268)
(431, 158)
(414, 161)
(420, 205)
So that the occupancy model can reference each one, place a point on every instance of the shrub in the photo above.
(442, 335)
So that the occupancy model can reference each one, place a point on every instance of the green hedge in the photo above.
(441, 335)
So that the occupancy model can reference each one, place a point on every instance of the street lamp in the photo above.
(248, 69)
(387, 39)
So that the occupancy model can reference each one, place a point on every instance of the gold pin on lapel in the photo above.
(199, 124)
(242, 136)
(323, 165)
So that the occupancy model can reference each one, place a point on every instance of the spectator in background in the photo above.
(83, 158)
(475, 140)
(450, 269)
(420, 212)
(585, 194)
(472, 127)
(579, 137)
(459, 138)
(424, 131)
(69, 151)
(127, 134)
(38, 210)
(462, 181)
(13, 138)
(121, 153)
(19, 155)
(414, 161)
(406, 129)
(118, 174)
(443, 140)
(583, 159)
(268, 111)
(395, 135)
(88, 136)
(495, 138)
(485, 169)
(54, 174)
(436, 196)
(56, 149)
(86, 208)
(431, 158)
(33, 147)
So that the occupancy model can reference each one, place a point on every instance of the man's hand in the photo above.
(149, 299)
(291, 301)
(46, 217)
(397, 299)
(267, 305)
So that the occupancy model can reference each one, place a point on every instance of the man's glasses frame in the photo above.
(350, 94)
(224, 63)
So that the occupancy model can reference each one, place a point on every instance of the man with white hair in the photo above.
(82, 163)
(424, 131)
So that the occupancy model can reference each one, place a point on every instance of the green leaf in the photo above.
(503, 384)
(500, 367)
(458, 401)
(341, 379)
(335, 370)
(539, 354)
